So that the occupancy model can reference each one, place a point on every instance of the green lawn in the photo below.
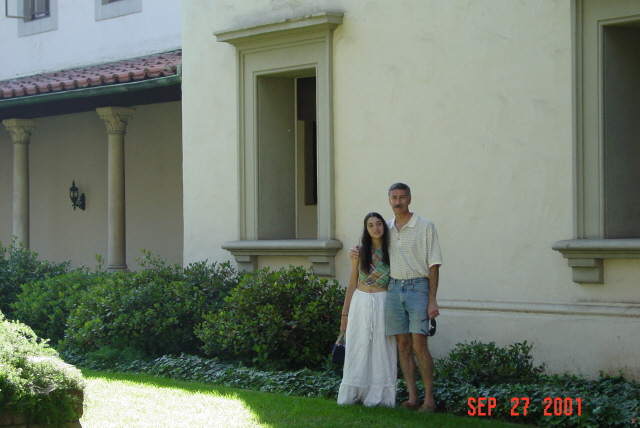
(129, 401)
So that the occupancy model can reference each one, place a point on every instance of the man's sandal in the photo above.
(427, 409)
(410, 406)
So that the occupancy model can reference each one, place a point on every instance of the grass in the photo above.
(127, 400)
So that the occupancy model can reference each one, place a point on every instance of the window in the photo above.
(38, 16)
(307, 141)
(287, 161)
(27, 9)
(286, 142)
(621, 129)
(607, 137)
(106, 9)
(39, 9)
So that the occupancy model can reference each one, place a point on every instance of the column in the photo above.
(116, 120)
(20, 130)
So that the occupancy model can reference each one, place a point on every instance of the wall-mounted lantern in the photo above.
(76, 202)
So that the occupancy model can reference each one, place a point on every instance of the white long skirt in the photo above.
(371, 358)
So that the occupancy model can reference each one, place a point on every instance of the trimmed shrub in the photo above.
(19, 265)
(153, 311)
(482, 364)
(45, 305)
(33, 381)
(276, 319)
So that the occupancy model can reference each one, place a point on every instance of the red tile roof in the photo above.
(131, 70)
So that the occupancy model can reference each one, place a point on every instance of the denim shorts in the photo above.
(406, 306)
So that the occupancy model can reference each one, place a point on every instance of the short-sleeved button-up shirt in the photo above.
(413, 249)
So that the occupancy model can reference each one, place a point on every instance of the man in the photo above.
(415, 258)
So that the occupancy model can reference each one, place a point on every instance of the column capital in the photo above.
(116, 118)
(20, 129)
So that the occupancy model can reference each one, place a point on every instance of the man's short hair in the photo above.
(400, 186)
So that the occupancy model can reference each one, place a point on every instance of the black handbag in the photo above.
(337, 354)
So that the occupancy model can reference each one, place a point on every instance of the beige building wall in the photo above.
(471, 104)
(74, 147)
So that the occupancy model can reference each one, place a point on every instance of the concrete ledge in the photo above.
(585, 256)
(320, 252)
(8, 420)
(322, 21)
(571, 309)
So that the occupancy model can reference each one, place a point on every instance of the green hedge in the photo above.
(33, 380)
(153, 311)
(482, 364)
(45, 305)
(283, 319)
(18, 266)
(276, 319)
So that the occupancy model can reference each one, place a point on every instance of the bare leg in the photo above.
(408, 365)
(425, 364)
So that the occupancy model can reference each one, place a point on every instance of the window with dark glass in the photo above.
(621, 130)
(39, 9)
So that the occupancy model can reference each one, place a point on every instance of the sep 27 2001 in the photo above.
(552, 406)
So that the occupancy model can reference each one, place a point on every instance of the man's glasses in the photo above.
(432, 327)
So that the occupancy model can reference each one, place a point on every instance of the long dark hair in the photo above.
(366, 245)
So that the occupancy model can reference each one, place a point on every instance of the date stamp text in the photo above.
(551, 406)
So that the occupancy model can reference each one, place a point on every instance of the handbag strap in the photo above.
(340, 336)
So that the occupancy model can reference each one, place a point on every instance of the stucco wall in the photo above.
(81, 40)
(471, 104)
(74, 147)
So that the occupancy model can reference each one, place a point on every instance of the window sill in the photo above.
(37, 26)
(320, 252)
(585, 256)
(116, 9)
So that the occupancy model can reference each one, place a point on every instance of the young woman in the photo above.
(370, 366)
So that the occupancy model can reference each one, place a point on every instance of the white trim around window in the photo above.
(41, 25)
(594, 242)
(270, 58)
